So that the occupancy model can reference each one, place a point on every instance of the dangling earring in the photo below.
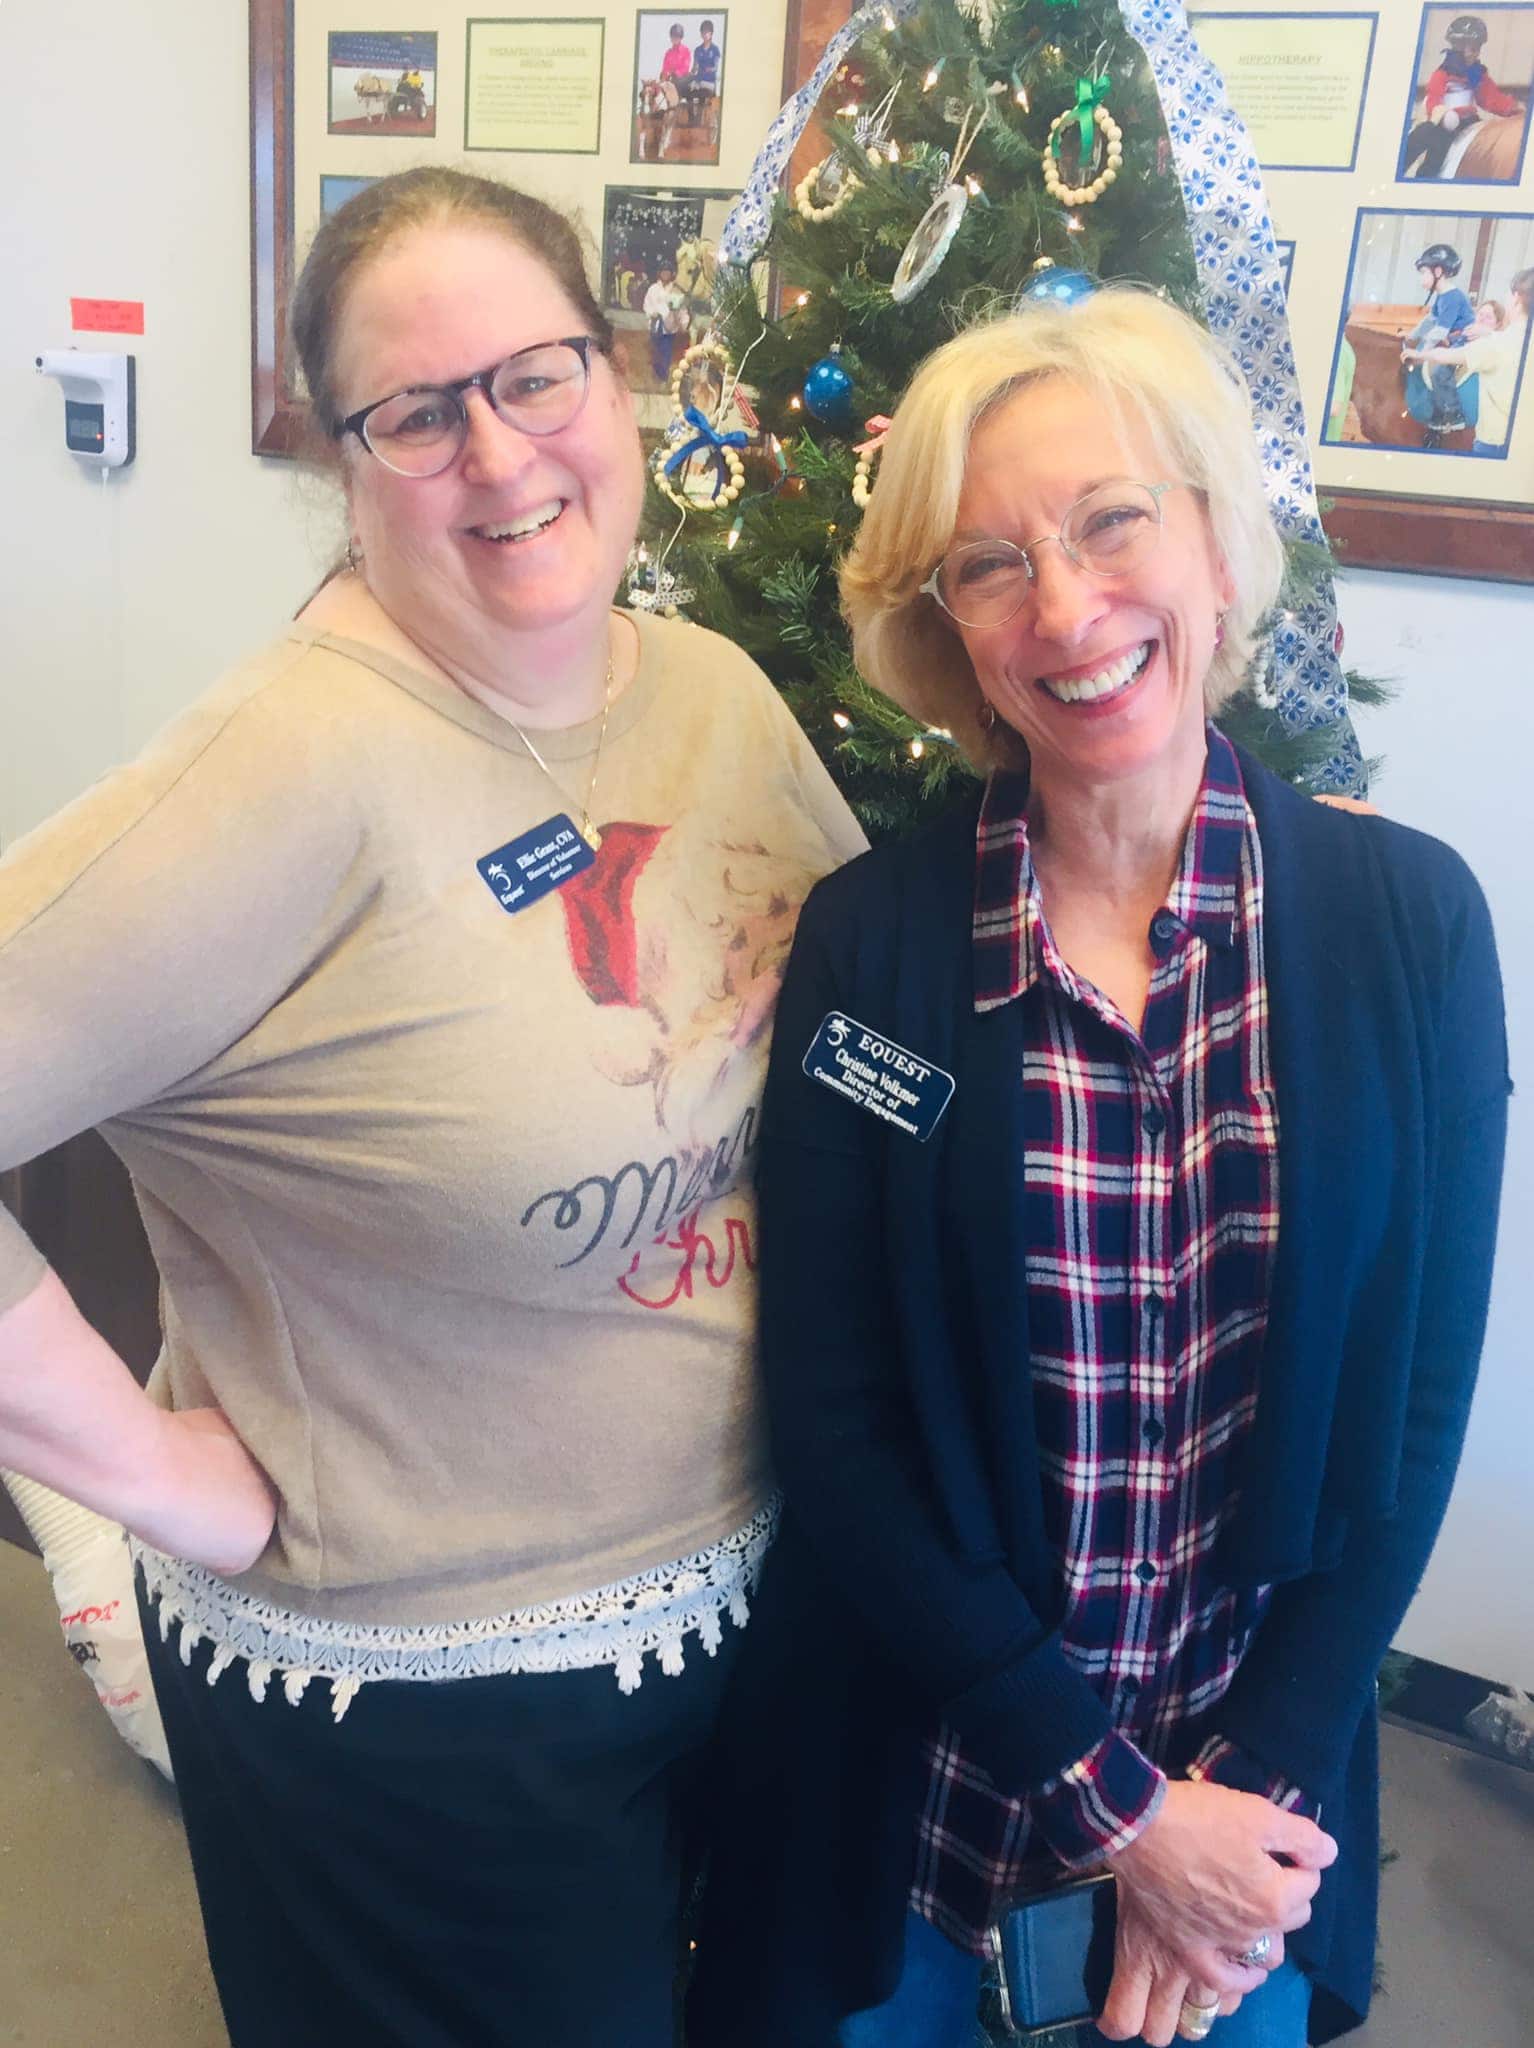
(353, 557)
(985, 718)
(1219, 629)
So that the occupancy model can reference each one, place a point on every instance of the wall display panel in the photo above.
(534, 88)
(1413, 373)
(516, 119)
(1299, 82)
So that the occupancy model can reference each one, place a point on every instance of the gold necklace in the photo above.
(589, 832)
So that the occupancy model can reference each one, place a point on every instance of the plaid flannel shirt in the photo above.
(1151, 1221)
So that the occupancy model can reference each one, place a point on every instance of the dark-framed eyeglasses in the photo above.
(419, 431)
(1108, 532)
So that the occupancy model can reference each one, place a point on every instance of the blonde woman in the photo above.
(1130, 1165)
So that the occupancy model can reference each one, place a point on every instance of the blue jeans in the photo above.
(934, 2005)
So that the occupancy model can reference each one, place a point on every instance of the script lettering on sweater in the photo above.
(642, 1197)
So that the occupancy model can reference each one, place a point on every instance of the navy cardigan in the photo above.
(911, 1577)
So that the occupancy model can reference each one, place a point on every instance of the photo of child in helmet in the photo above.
(1468, 115)
(1447, 314)
(1434, 332)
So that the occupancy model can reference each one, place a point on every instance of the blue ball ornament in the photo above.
(1056, 287)
(828, 391)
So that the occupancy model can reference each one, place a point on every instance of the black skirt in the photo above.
(476, 1863)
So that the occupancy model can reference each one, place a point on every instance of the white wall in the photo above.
(1458, 744)
(117, 607)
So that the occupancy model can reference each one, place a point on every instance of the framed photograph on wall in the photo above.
(658, 252)
(679, 68)
(335, 191)
(1464, 125)
(382, 83)
(1449, 296)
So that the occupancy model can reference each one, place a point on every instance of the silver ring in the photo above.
(1254, 1957)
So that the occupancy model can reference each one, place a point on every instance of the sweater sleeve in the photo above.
(1495, 101)
(961, 1633)
(150, 924)
(1308, 1678)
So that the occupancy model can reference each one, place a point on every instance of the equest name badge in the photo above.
(525, 870)
(884, 1078)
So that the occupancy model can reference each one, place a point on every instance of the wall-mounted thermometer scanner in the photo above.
(98, 404)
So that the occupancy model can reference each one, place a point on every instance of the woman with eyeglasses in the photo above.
(1129, 1178)
(421, 974)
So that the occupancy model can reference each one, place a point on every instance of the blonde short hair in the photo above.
(1142, 360)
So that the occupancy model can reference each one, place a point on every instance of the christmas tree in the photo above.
(974, 155)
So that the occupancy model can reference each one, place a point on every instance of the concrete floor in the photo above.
(99, 1938)
(100, 1942)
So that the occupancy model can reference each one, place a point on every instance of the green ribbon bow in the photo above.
(1090, 94)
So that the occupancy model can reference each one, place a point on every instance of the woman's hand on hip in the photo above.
(208, 1501)
(1196, 1888)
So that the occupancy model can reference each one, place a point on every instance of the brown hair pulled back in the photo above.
(359, 232)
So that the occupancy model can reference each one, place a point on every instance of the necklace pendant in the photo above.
(591, 835)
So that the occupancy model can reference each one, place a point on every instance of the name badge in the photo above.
(523, 871)
(878, 1075)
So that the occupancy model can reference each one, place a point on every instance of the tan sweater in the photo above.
(452, 1206)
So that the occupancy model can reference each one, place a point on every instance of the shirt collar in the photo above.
(1012, 940)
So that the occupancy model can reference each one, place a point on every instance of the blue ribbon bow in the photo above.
(706, 435)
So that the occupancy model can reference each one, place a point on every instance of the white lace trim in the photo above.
(616, 1624)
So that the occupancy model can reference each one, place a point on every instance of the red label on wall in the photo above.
(107, 316)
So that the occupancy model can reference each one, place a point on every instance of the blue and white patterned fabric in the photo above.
(1243, 297)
